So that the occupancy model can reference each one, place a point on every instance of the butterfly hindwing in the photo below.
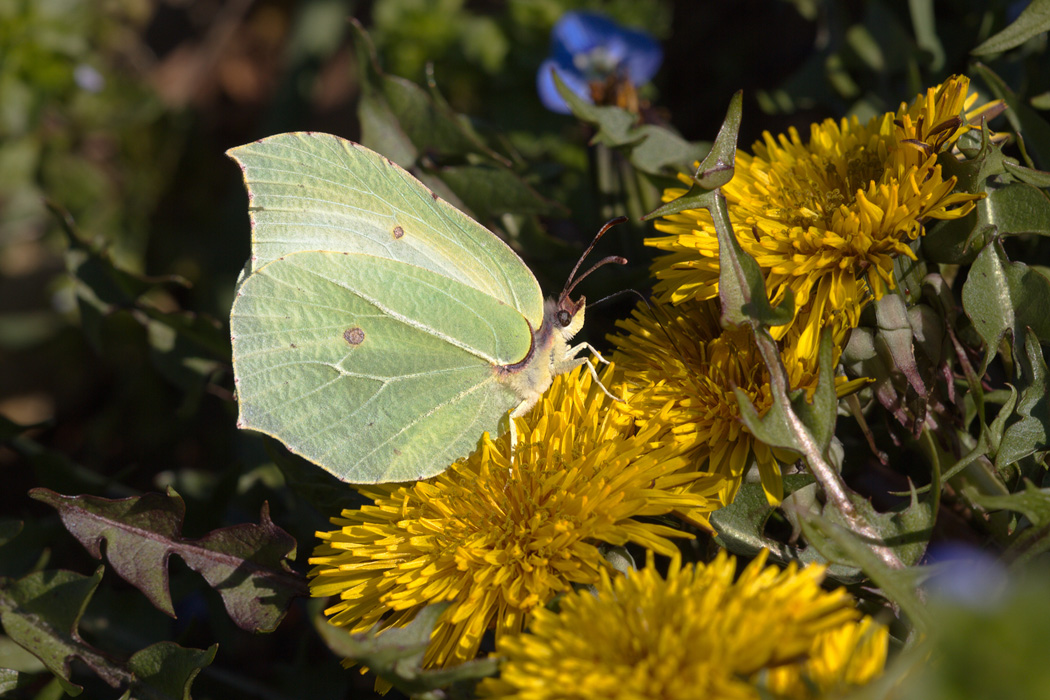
(375, 369)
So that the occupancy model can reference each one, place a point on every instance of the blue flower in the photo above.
(966, 575)
(588, 48)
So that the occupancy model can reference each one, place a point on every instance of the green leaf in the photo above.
(741, 286)
(396, 654)
(51, 467)
(1022, 118)
(1001, 296)
(925, 24)
(650, 148)
(1027, 433)
(402, 120)
(740, 526)
(10, 679)
(1017, 209)
(102, 287)
(775, 428)
(185, 347)
(41, 613)
(490, 191)
(661, 151)
(715, 170)
(165, 671)
(1033, 20)
(244, 563)
(1033, 503)
(840, 544)
(1039, 178)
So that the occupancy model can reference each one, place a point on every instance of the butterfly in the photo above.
(377, 330)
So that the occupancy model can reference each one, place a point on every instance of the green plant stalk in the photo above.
(829, 479)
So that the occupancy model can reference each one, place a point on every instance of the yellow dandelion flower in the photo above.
(682, 370)
(499, 540)
(695, 634)
(826, 218)
(840, 659)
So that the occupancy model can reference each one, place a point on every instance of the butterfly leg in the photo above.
(594, 375)
(575, 350)
(590, 366)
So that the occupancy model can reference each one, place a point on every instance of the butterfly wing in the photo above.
(374, 369)
(313, 191)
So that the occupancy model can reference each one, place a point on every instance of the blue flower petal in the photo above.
(549, 95)
(586, 46)
(966, 576)
(579, 32)
(644, 56)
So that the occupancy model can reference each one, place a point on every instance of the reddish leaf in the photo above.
(246, 564)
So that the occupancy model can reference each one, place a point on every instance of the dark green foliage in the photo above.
(122, 233)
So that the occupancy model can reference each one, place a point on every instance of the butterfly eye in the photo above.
(564, 318)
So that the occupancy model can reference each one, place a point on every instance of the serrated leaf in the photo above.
(650, 148)
(1001, 296)
(818, 417)
(1027, 433)
(396, 654)
(244, 563)
(165, 671)
(740, 525)
(1033, 503)
(41, 612)
(1022, 117)
(402, 120)
(1031, 176)
(838, 543)
(1033, 20)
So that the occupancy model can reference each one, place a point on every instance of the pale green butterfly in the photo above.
(378, 331)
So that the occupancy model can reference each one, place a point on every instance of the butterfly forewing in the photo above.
(312, 191)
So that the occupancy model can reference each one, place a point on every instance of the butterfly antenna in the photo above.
(573, 280)
(614, 295)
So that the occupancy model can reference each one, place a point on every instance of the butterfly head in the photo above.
(568, 317)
